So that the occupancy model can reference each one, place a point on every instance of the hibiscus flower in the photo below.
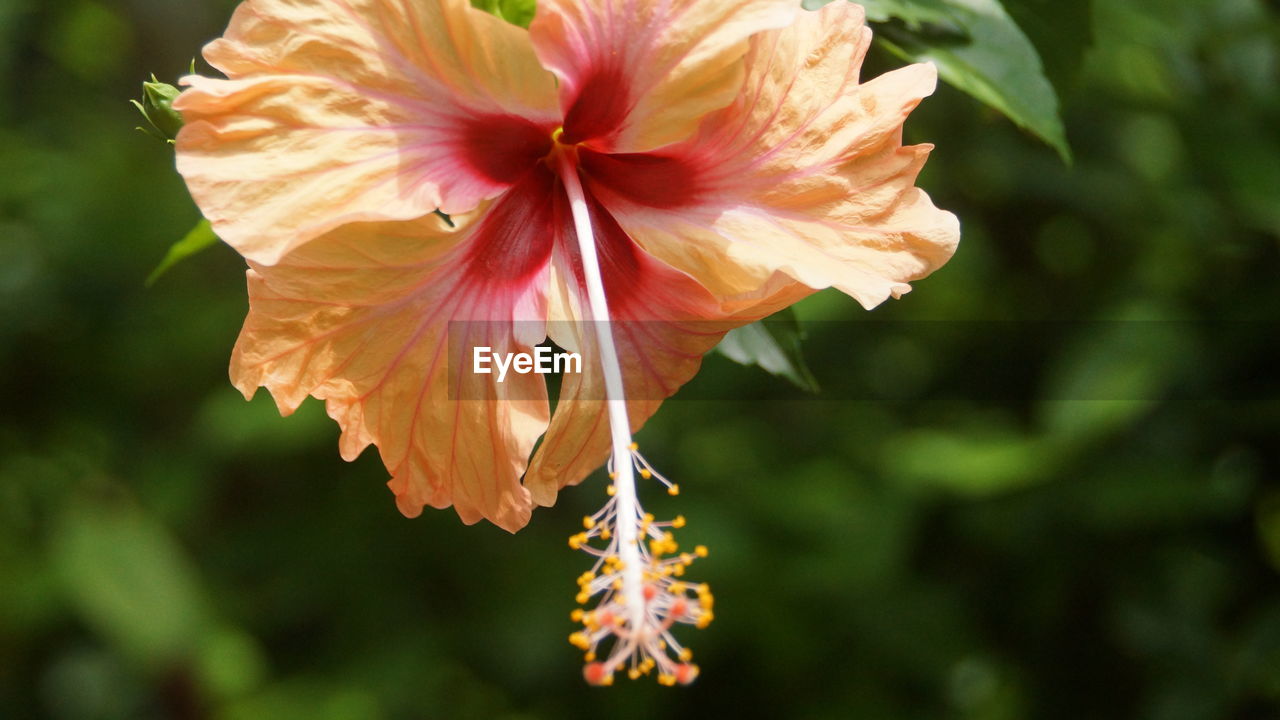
(668, 169)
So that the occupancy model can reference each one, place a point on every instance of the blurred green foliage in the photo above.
(964, 541)
(517, 12)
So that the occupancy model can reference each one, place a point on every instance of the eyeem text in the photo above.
(542, 361)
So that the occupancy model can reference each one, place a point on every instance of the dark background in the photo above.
(946, 534)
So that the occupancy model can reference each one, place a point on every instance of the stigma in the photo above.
(631, 632)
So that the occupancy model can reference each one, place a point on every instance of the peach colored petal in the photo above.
(804, 175)
(361, 317)
(664, 322)
(343, 111)
(638, 74)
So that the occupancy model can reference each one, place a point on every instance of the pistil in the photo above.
(637, 573)
(626, 504)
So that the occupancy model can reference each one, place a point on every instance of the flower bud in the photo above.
(157, 107)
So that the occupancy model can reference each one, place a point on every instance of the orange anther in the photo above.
(686, 673)
(595, 673)
(679, 608)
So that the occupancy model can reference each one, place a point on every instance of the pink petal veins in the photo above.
(639, 74)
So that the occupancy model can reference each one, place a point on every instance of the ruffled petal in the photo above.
(804, 175)
(343, 111)
(639, 74)
(376, 319)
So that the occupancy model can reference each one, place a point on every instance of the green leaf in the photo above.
(979, 49)
(928, 17)
(516, 12)
(772, 344)
(1061, 31)
(200, 237)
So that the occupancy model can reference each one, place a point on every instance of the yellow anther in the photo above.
(575, 542)
(613, 476)
(686, 655)
(633, 673)
(648, 517)
(605, 534)
(646, 473)
(647, 664)
(588, 523)
(576, 615)
(701, 551)
(678, 522)
(582, 597)
(677, 588)
(617, 584)
(665, 679)
(589, 657)
(704, 620)
(673, 490)
(611, 491)
(580, 641)
(635, 446)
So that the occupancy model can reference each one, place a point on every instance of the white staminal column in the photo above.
(628, 513)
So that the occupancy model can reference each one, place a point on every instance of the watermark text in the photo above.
(542, 361)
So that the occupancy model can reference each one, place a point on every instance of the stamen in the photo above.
(635, 636)
(639, 601)
(619, 425)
